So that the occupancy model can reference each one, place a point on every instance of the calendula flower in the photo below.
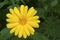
(22, 21)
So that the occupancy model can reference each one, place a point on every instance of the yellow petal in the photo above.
(22, 9)
(30, 29)
(31, 12)
(24, 34)
(11, 25)
(12, 20)
(20, 32)
(32, 33)
(12, 30)
(34, 24)
(26, 30)
(26, 10)
(33, 18)
(11, 16)
(17, 12)
(12, 11)
(36, 21)
(17, 30)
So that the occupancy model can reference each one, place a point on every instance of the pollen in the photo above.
(23, 21)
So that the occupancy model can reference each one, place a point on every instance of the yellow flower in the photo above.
(22, 21)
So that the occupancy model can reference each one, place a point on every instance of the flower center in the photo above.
(22, 21)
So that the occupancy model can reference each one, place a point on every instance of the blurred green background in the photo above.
(49, 12)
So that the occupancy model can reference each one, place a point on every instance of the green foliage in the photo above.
(49, 12)
(38, 36)
(4, 34)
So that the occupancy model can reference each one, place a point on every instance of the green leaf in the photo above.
(41, 12)
(54, 3)
(5, 34)
(22, 1)
(10, 6)
(0, 25)
(13, 2)
(39, 36)
(15, 38)
(4, 3)
(51, 27)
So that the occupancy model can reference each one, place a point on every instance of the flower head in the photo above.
(22, 21)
